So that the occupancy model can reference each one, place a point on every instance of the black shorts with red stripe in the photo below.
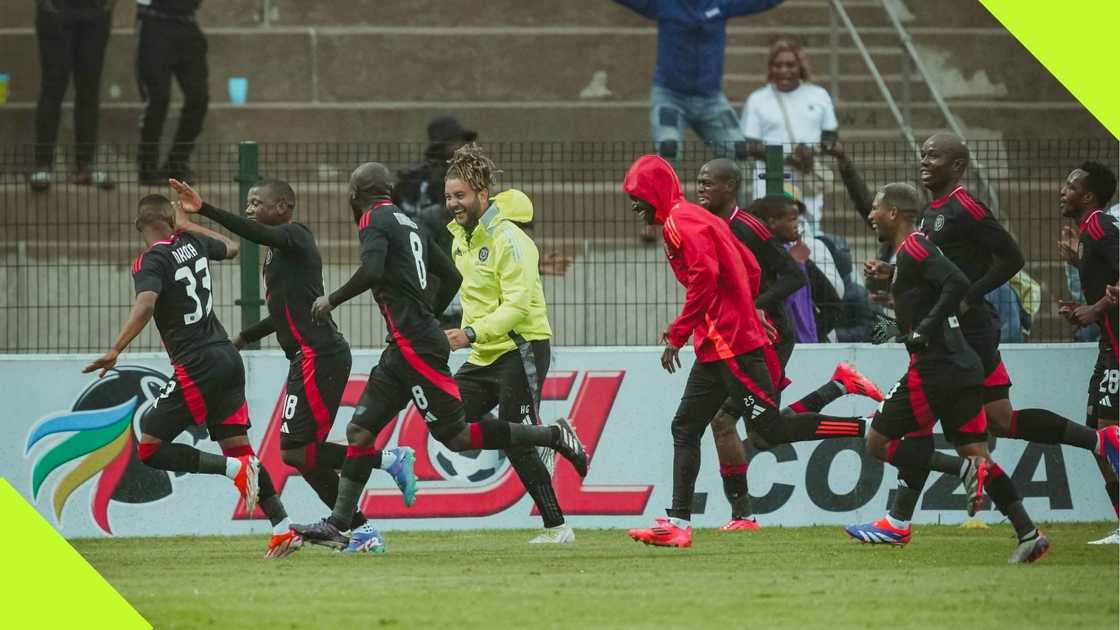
(980, 327)
(402, 374)
(207, 389)
(741, 386)
(926, 395)
(1104, 389)
(314, 392)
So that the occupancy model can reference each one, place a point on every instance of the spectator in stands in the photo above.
(791, 111)
(688, 79)
(72, 37)
(170, 43)
(420, 185)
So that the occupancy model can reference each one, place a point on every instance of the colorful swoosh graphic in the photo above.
(103, 437)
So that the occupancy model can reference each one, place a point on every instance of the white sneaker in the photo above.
(559, 535)
(1111, 539)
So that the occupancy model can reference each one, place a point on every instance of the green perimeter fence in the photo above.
(66, 252)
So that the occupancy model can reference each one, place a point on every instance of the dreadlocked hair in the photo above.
(472, 166)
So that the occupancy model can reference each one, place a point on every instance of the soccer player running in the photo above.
(972, 239)
(505, 319)
(945, 378)
(318, 355)
(772, 220)
(398, 261)
(173, 286)
(1086, 191)
(735, 367)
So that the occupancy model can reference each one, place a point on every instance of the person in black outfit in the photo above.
(945, 378)
(72, 37)
(170, 43)
(419, 187)
(318, 353)
(397, 261)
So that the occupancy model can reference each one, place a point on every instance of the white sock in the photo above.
(233, 466)
(897, 524)
(282, 527)
(388, 458)
(680, 522)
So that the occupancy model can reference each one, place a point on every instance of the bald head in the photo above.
(717, 186)
(944, 161)
(372, 179)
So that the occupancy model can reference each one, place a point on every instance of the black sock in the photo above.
(817, 400)
(324, 481)
(356, 471)
(179, 458)
(911, 481)
(534, 476)
(1008, 502)
(735, 489)
(917, 453)
(269, 501)
(1046, 427)
(330, 455)
(1111, 488)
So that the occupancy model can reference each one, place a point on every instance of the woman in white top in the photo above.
(791, 111)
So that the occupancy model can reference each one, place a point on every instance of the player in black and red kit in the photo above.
(173, 285)
(944, 379)
(319, 355)
(972, 238)
(398, 261)
(1087, 190)
(772, 220)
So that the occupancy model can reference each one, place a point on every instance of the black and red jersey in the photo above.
(293, 278)
(178, 269)
(969, 235)
(781, 276)
(1098, 250)
(927, 289)
(399, 259)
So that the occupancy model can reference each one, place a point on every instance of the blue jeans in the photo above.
(711, 117)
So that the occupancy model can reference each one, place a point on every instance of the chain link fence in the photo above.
(66, 252)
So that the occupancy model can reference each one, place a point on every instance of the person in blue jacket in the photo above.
(688, 80)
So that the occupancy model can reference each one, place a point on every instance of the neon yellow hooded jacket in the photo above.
(501, 292)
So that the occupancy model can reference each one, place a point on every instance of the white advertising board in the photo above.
(71, 450)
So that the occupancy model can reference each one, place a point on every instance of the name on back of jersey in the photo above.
(184, 253)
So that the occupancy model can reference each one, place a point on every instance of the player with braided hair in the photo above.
(505, 319)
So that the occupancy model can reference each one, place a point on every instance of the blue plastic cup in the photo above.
(238, 90)
(3, 88)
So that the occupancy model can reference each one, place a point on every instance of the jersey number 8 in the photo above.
(418, 255)
(203, 306)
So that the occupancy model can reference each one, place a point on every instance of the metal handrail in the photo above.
(902, 125)
(954, 124)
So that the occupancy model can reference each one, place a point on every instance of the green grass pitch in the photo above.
(775, 578)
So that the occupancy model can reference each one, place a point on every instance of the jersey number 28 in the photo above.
(200, 275)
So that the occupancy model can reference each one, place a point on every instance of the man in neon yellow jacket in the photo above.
(505, 320)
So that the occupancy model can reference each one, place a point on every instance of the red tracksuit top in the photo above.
(719, 274)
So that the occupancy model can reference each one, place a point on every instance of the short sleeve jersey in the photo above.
(178, 269)
(385, 230)
(919, 274)
(1098, 252)
(293, 278)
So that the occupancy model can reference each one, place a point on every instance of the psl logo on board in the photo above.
(481, 483)
(96, 437)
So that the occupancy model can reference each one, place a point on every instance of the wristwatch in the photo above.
(469, 332)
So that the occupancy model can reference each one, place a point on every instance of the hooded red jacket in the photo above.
(719, 274)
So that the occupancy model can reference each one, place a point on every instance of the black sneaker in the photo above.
(40, 180)
(569, 446)
(181, 172)
(322, 533)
